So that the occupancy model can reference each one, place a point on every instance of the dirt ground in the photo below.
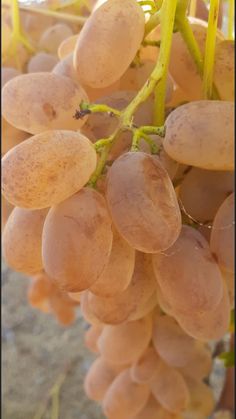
(36, 351)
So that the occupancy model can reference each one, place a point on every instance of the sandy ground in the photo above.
(35, 351)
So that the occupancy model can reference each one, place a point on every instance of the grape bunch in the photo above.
(118, 189)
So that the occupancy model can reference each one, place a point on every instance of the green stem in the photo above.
(148, 3)
(159, 101)
(15, 17)
(152, 22)
(193, 8)
(185, 29)
(151, 43)
(153, 130)
(80, 20)
(209, 57)
(231, 20)
(168, 17)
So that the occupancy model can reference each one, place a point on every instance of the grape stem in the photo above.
(80, 20)
(168, 17)
(208, 68)
(149, 3)
(231, 20)
(167, 12)
(17, 35)
(184, 27)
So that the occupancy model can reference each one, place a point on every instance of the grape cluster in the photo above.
(131, 222)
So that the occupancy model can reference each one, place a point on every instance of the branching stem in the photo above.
(209, 57)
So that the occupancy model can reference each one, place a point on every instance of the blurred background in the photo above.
(37, 354)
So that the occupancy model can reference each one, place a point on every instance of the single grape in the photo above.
(53, 36)
(42, 61)
(173, 345)
(99, 378)
(207, 325)
(124, 398)
(203, 191)
(22, 240)
(125, 343)
(200, 365)
(142, 202)
(77, 240)
(108, 42)
(35, 176)
(170, 389)
(188, 274)
(201, 134)
(57, 98)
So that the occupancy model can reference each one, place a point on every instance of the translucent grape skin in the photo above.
(125, 343)
(41, 62)
(201, 134)
(143, 370)
(108, 42)
(124, 398)
(142, 202)
(22, 240)
(169, 389)
(188, 274)
(207, 325)
(53, 36)
(203, 191)
(172, 344)
(100, 376)
(62, 307)
(77, 240)
(222, 235)
(117, 275)
(127, 305)
(91, 337)
(34, 176)
(57, 99)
